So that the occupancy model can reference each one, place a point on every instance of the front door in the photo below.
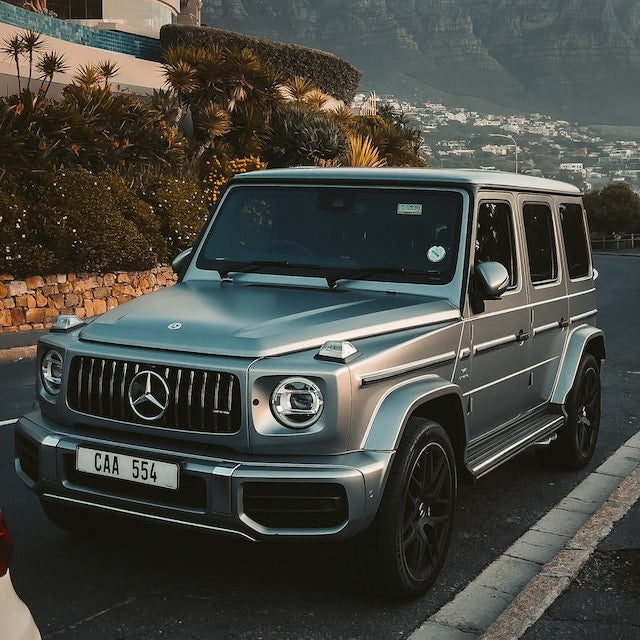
(497, 388)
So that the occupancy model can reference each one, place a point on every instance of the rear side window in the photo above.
(495, 237)
(575, 240)
(541, 246)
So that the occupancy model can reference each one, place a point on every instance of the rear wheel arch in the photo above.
(584, 340)
(596, 348)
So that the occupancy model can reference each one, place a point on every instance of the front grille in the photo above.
(28, 453)
(295, 505)
(191, 493)
(197, 400)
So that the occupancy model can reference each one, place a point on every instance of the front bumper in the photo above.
(255, 497)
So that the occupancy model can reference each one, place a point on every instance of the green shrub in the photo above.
(326, 71)
(136, 210)
(181, 211)
(89, 225)
(22, 250)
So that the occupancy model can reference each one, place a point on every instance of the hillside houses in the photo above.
(553, 148)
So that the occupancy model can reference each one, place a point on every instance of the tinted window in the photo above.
(495, 237)
(541, 246)
(395, 235)
(575, 240)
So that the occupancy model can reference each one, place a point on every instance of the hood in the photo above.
(253, 320)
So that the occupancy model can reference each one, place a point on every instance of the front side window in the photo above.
(356, 233)
(575, 240)
(541, 246)
(495, 238)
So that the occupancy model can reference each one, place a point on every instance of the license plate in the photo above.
(130, 468)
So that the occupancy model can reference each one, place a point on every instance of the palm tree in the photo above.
(87, 76)
(214, 122)
(32, 42)
(49, 64)
(14, 48)
(108, 69)
(296, 90)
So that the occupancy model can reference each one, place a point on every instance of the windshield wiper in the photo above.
(251, 266)
(366, 272)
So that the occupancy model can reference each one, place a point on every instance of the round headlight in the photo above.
(51, 371)
(297, 402)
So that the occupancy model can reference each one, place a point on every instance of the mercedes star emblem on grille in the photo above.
(148, 395)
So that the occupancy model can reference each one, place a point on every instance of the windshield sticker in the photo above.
(436, 254)
(409, 209)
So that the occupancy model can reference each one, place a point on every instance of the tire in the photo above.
(402, 552)
(576, 442)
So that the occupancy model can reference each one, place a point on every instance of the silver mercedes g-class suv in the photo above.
(341, 347)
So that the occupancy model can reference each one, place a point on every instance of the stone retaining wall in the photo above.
(34, 303)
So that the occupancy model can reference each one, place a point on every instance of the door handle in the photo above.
(563, 323)
(523, 335)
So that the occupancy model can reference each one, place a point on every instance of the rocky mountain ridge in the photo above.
(575, 59)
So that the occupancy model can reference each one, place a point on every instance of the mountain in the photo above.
(578, 60)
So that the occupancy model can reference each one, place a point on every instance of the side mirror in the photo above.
(492, 280)
(181, 261)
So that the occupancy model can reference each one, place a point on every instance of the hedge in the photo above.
(327, 71)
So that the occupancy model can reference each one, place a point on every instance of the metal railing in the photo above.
(615, 242)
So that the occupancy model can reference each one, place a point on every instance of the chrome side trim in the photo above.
(584, 316)
(147, 516)
(546, 327)
(511, 375)
(393, 372)
(492, 344)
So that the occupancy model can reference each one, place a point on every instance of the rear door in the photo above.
(577, 259)
(546, 282)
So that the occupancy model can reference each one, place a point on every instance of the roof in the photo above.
(469, 178)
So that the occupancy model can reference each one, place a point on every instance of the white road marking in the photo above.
(513, 592)
(6, 423)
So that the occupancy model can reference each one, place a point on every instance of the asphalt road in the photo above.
(139, 582)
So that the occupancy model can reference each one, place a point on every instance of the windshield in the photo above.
(350, 233)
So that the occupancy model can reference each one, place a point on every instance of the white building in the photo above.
(89, 32)
(142, 17)
(573, 167)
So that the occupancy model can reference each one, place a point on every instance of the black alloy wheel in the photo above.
(577, 439)
(404, 549)
(428, 507)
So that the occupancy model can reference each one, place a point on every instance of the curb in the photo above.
(532, 602)
(514, 591)
(17, 353)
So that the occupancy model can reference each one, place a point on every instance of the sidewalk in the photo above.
(16, 345)
(602, 602)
